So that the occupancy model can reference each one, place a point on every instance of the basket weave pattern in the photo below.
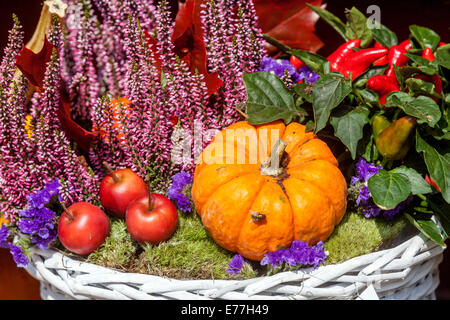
(407, 271)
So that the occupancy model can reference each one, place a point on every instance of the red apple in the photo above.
(118, 189)
(83, 228)
(151, 221)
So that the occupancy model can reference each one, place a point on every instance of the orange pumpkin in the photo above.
(251, 207)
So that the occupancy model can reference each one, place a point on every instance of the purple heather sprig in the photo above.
(300, 253)
(176, 192)
(236, 264)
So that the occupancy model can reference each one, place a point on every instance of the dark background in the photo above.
(397, 15)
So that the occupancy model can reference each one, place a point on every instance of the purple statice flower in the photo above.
(37, 220)
(4, 234)
(280, 66)
(300, 253)
(390, 214)
(19, 257)
(236, 264)
(365, 171)
(177, 191)
(305, 73)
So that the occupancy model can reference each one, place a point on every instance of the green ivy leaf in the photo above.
(332, 20)
(423, 108)
(348, 124)
(328, 92)
(428, 227)
(418, 183)
(389, 188)
(268, 99)
(426, 37)
(385, 36)
(315, 62)
(357, 27)
(438, 166)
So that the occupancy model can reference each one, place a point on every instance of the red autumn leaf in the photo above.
(290, 22)
(187, 37)
(33, 65)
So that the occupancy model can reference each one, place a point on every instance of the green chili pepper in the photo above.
(394, 141)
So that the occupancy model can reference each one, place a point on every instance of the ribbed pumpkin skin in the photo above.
(304, 203)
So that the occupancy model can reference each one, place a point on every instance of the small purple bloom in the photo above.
(236, 264)
(299, 253)
(176, 191)
(390, 214)
(365, 171)
(19, 257)
(4, 234)
(278, 67)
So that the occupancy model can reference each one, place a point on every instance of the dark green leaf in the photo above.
(443, 56)
(312, 60)
(348, 124)
(304, 90)
(418, 183)
(409, 71)
(442, 211)
(328, 92)
(389, 188)
(424, 65)
(423, 108)
(384, 36)
(418, 86)
(438, 166)
(426, 37)
(268, 99)
(332, 20)
(357, 27)
(428, 227)
(370, 97)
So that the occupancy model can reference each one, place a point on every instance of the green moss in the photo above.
(357, 235)
(119, 249)
(192, 254)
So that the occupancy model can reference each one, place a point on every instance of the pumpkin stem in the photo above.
(271, 167)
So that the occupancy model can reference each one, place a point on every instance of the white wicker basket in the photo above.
(407, 271)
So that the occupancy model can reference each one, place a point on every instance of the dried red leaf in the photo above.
(33, 65)
(290, 22)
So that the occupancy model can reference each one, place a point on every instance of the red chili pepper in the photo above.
(396, 57)
(383, 85)
(357, 62)
(382, 61)
(441, 44)
(338, 57)
(405, 44)
(378, 45)
(432, 183)
(428, 54)
(296, 62)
